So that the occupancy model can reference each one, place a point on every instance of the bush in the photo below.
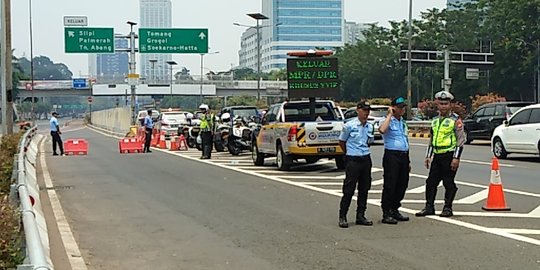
(480, 100)
(10, 232)
(428, 109)
(11, 253)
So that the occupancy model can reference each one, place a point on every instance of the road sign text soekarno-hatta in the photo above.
(313, 77)
(173, 40)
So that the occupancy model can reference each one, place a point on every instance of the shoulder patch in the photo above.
(459, 123)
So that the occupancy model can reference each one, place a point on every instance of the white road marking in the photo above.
(322, 183)
(72, 249)
(474, 198)
(417, 190)
(519, 231)
(535, 213)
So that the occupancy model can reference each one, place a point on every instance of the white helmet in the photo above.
(189, 116)
(444, 95)
(226, 117)
(203, 107)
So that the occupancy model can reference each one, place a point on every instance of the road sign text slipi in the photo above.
(173, 40)
(89, 40)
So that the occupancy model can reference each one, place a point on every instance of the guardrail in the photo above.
(36, 258)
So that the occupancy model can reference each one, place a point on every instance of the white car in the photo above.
(170, 120)
(519, 134)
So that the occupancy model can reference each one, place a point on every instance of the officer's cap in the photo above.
(363, 105)
(54, 113)
(444, 95)
(399, 101)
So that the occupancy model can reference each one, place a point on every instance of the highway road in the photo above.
(170, 210)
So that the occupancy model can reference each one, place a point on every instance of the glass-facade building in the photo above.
(298, 25)
(155, 14)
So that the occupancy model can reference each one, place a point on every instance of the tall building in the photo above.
(155, 14)
(353, 32)
(293, 25)
(110, 66)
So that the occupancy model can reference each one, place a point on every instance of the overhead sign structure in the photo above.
(313, 77)
(173, 40)
(80, 83)
(89, 40)
(472, 74)
(75, 21)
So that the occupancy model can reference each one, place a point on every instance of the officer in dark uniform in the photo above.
(446, 146)
(148, 124)
(355, 139)
(207, 130)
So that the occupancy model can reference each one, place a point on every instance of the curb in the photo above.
(419, 135)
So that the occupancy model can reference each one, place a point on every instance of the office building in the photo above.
(110, 67)
(293, 25)
(155, 14)
(353, 32)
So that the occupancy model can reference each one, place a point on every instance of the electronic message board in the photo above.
(313, 77)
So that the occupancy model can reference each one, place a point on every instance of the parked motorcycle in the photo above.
(240, 137)
(221, 134)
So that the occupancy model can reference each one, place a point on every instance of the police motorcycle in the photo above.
(221, 133)
(240, 137)
(191, 132)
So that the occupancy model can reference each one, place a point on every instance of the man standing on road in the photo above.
(446, 146)
(396, 162)
(148, 126)
(355, 139)
(55, 133)
(207, 127)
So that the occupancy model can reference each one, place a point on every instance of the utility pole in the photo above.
(132, 69)
(2, 65)
(409, 64)
(9, 72)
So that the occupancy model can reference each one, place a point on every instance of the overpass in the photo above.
(221, 88)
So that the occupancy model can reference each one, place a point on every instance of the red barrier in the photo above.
(76, 147)
(155, 138)
(182, 145)
(130, 145)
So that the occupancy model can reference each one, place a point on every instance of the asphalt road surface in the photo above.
(167, 210)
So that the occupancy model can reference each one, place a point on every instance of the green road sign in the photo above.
(88, 40)
(173, 40)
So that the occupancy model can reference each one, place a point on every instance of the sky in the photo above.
(216, 15)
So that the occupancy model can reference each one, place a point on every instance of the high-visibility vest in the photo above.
(444, 135)
(205, 124)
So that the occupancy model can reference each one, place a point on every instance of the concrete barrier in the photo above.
(117, 120)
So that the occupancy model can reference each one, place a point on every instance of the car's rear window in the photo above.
(244, 112)
(300, 112)
(378, 112)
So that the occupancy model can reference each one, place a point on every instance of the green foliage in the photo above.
(11, 253)
(45, 69)
(380, 101)
(480, 100)
(241, 100)
(8, 149)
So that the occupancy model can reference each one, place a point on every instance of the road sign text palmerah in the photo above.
(173, 40)
(89, 40)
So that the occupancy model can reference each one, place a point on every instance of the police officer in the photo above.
(148, 124)
(396, 162)
(355, 139)
(446, 146)
(55, 134)
(207, 127)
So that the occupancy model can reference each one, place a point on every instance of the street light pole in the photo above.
(132, 69)
(409, 63)
(153, 72)
(201, 86)
(258, 17)
(538, 71)
(171, 63)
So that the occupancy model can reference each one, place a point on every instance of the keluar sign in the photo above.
(313, 77)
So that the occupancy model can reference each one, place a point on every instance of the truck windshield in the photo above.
(300, 112)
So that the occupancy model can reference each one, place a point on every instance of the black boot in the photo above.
(449, 196)
(398, 216)
(343, 222)
(388, 218)
(429, 210)
(362, 220)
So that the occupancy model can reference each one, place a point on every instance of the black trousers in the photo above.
(440, 170)
(56, 139)
(396, 178)
(206, 137)
(357, 172)
(147, 139)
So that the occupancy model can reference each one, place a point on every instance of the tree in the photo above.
(45, 69)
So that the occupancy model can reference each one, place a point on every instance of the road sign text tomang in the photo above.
(89, 40)
(173, 40)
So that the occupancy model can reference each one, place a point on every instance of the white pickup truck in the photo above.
(299, 130)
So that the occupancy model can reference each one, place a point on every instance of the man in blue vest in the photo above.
(396, 162)
(446, 146)
(55, 133)
(148, 126)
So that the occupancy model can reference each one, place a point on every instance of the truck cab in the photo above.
(299, 130)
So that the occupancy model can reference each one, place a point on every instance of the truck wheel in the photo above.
(258, 157)
(283, 161)
(498, 149)
(341, 162)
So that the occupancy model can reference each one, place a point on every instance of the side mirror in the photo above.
(506, 123)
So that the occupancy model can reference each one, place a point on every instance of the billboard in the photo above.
(313, 77)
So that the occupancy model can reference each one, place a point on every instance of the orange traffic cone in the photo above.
(162, 143)
(183, 143)
(495, 200)
(174, 143)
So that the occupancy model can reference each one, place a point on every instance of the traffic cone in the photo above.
(162, 143)
(174, 143)
(183, 143)
(495, 200)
